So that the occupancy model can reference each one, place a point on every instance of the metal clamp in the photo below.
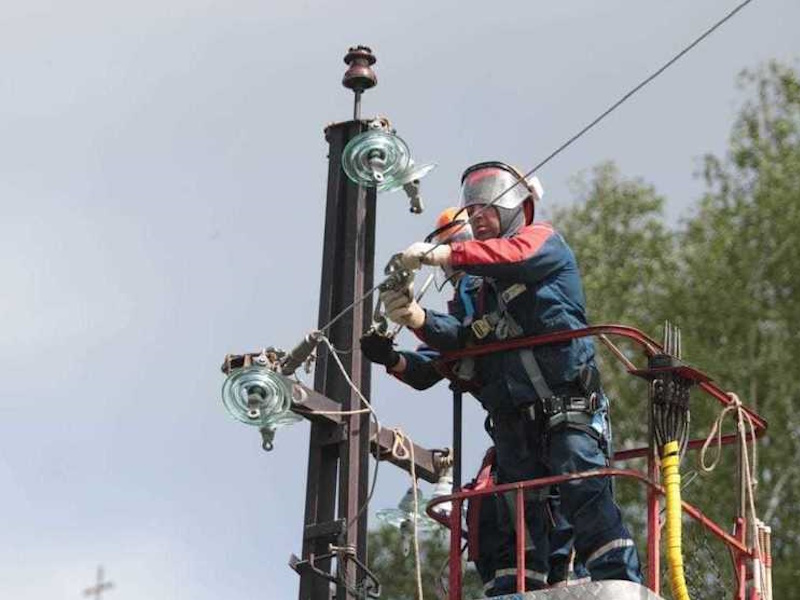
(269, 357)
(397, 276)
(369, 587)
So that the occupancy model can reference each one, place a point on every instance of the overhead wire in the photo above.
(599, 118)
(562, 147)
(324, 328)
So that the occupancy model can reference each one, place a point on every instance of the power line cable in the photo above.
(643, 83)
(600, 117)
(566, 144)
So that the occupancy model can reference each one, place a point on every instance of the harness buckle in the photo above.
(578, 404)
(569, 409)
(529, 412)
(501, 331)
(512, 292)
(481, 328)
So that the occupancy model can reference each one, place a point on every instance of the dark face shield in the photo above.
(483, 186)
(502, 187)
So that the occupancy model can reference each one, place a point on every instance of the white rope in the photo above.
(400, 452)
(749, 481)
(369, 409)
(352, 385)
(343, 413)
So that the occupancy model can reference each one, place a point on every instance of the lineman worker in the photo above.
(494, 538)
(546, 405)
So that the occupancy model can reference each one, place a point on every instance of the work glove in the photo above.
(401, 308)
(423, 253)
(379, 349)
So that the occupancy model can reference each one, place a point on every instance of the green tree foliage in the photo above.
(626, 257)
(730, 277)
(740, 294)
(396, 571)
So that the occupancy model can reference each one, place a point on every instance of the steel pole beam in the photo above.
(320, 409)
(458, 405)
(339, 454)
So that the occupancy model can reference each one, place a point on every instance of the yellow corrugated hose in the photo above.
(670, 458)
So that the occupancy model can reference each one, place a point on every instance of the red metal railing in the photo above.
(648, 345)
(736, 542)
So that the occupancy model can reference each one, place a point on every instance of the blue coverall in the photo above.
(531, 281)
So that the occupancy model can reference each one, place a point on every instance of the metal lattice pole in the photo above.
(339, 455)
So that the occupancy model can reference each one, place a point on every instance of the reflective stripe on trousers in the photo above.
(509, 577)
(587, 504)
(608, 547)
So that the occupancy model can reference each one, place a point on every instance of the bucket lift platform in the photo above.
(751, 555)
(594, 590)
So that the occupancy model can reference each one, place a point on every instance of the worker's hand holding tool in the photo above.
(379, 349)
(423, 253)
(401, 308)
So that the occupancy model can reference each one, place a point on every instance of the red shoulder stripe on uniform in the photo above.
(515, 249)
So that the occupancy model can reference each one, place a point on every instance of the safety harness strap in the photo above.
(531, 366)
(505, 326)
(557, 409)
(569, 409)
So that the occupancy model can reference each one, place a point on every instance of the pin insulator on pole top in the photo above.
(359, 75)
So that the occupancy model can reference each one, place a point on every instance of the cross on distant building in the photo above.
(97, 589)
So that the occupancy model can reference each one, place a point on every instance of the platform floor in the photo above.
(595, 590)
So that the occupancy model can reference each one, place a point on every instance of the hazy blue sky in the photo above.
(162, 177)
